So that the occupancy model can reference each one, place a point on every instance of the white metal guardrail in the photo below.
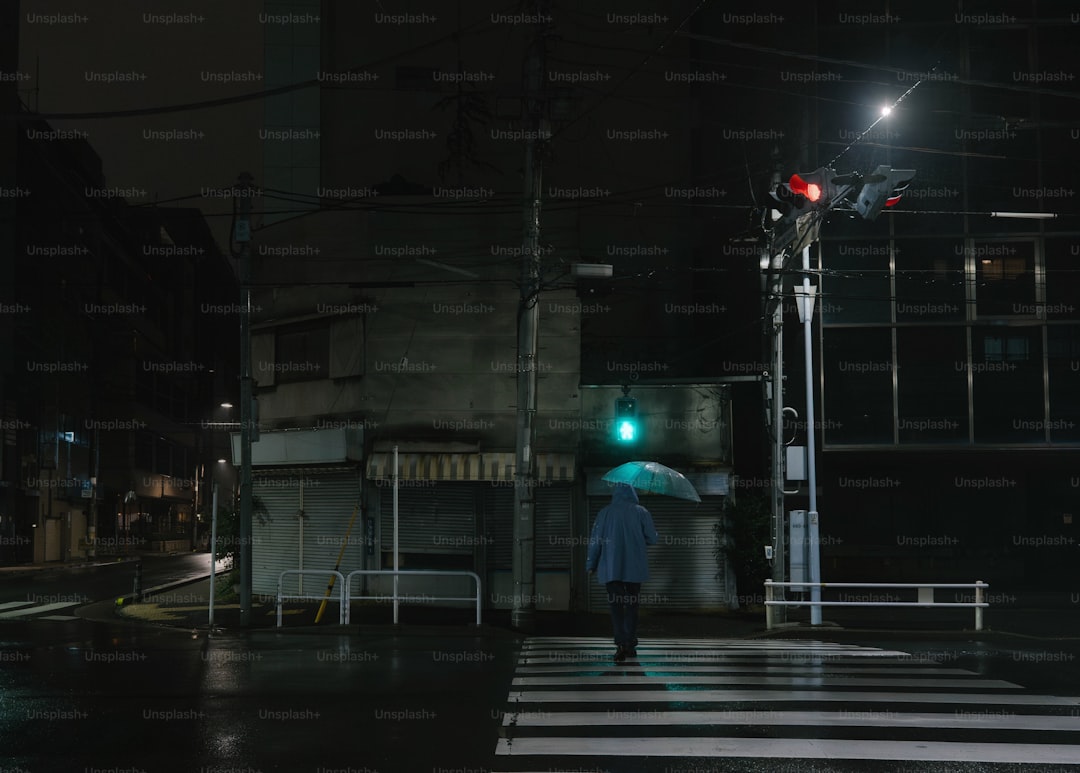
(925, 592)
(343, 608)
(396, 597)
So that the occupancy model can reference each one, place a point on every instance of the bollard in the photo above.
(978, 609)
(138, 582)
(768, 606)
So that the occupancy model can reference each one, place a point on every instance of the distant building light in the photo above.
(591, 270)
(226, 405)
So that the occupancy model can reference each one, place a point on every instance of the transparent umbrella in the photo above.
(654, 478)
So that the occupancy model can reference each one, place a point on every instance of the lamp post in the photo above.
(805, 298)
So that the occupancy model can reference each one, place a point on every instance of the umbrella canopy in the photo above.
(654, 478)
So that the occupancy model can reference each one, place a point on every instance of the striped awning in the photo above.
(490, 466)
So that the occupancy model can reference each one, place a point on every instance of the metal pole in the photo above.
(807, 314)
(137, 590)
(213, 552)
(769, 613)
(978, 609)
(522, 617)
(91, 531)
(779, 573)
(243, 237)
(396, 564)
(300, 556)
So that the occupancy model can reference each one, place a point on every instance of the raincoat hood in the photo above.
(624, 492)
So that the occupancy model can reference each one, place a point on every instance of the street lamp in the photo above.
(128, 497)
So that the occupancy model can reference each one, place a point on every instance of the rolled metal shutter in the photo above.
(553, 535)
(499, 528)
(682, 566)
(440, 518)
(275, 536)
(329, 502)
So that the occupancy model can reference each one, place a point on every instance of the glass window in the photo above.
(857, 386)
(1063, 354)
(1004, 278)
(1062, 278)
(932, 392)
(302, 353)
(999, 55)
(1008, 385)
(929, 280)
(855, 282)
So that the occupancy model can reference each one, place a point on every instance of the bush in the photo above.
(742, 533)
(227, 586)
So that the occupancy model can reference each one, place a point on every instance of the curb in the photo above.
(17, 571)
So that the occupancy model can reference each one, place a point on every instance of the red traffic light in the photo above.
(812, 191)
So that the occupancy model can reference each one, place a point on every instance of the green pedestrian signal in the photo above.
(627, 427)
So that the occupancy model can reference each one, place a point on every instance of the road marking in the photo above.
(795, 748)
(773, 718)
(16, 604)
(808, 680)
(569, 699)
(34, 610)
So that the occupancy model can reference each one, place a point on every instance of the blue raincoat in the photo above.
(619, 536)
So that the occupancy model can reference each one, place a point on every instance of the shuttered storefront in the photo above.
(436, 531)
(456, 511)
(439, 518)
(682, 566)
(279, 542)
(553, 533)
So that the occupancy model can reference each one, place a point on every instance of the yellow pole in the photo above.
(341, 554)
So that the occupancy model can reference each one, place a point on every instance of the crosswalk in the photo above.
(21, 610)
(717, 705)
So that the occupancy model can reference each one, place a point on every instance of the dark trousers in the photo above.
(623, 599)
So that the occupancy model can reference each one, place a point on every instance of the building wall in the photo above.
(945, 376)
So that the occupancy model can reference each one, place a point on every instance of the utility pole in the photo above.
(775, 408)
(534, 121)
(244, 191)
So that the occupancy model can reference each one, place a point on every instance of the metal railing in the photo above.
(926, 597)
(343, 608)
(397, 597)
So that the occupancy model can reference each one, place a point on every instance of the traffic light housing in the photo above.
(882, 189)
(627, 424)
(806, 191)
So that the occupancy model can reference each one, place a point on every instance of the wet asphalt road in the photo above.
(124, 697)
(77, 585)
(106, 694)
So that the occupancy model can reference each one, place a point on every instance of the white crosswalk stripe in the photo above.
(17, 610)
(714, 704)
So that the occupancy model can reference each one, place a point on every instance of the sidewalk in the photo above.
(186, 606)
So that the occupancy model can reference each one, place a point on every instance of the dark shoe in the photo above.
(620, 654)
(631, 652)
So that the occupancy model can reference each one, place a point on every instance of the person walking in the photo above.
(617, 555)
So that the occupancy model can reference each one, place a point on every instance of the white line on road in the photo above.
(807, 680)
(38, 609)
(796, 748)
(780, 696)
(975, 720)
